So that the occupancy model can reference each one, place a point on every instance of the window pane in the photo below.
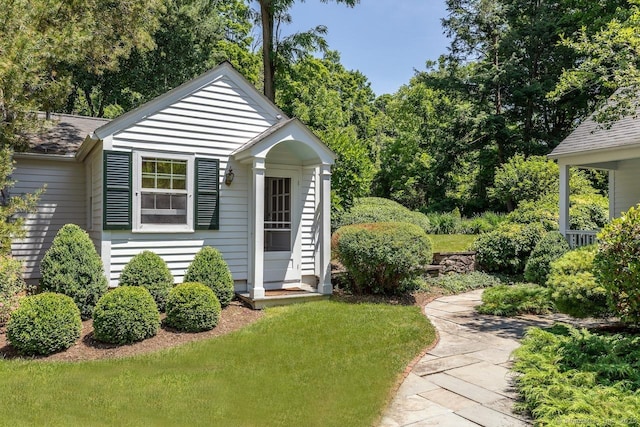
(179, 201)
(165, 207)
(148, 201)
(164, 183)
(179, 183)
(179, 168)
(276, 241)
(148, 166)
(148, 181)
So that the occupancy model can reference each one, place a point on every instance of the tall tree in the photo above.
(272, 11)
(41, 40)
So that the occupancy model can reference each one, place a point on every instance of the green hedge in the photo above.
(72, 267)
(507, 249)
(617, 264)
(208, 267)
(192, 307)
(126, 314)
(552, 246)
(375, 209)
(44, 323)
(383, 257)
(150, 271)
(574, 288)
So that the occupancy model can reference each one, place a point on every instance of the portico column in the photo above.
(257, 291)
(564, 197)
(324, 286)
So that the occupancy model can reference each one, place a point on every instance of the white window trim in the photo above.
(138, 226)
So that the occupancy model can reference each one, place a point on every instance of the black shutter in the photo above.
(117, 190)
(207, 194)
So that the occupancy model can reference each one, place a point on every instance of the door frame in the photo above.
(293, 257)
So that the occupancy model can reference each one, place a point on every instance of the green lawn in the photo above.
(317, 364)
(452, 242)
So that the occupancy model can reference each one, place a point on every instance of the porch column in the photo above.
(257, 291)
(324, 287)
(564, 197)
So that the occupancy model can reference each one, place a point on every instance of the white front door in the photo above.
(281, 228)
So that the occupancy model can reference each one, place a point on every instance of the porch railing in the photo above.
(578, 238)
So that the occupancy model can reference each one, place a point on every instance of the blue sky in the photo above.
(384, 39)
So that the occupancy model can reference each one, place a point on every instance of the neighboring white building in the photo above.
(592, 146)
(209, 163)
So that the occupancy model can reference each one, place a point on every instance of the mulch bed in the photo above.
(235, 316)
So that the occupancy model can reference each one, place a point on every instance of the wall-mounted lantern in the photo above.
(228, 177)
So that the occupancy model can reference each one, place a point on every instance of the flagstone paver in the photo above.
(465, 379)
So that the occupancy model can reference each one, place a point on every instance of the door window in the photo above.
(277, 214)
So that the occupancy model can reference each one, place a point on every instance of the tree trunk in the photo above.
(266, 12)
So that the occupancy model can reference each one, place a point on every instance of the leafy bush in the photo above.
(445, 222)
(574, 377)
(126, 314)
(513, 300)
(150, 271)
(617, 264)
(44, 323)
(192, 307)
(72, 267)
(456, 283)
(11, 283)
(573, 285)
(523, 178)
(552, 246)
(506, 249)
(375, 209)
(543, 211)
(383, 257)
(484, 223)
(210, 268)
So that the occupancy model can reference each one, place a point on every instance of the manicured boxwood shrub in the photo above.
(126, 314)
(192, 307)
(383, 257)
(573, 285)
(617, 264)
(506, 249)
(376, 209)
(513, 300)
(44, 323)
(150, 271)
(208, 267)
(552, 246)
(72, 267)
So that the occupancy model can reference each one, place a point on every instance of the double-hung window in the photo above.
(163, 192)
(160, 192)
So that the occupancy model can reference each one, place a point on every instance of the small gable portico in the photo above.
(290, 204)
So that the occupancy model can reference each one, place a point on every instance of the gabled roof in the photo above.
(225, 69)
(308, 147)
(65, 135)
(591, 136)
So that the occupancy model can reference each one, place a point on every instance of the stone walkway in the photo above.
(464, 380)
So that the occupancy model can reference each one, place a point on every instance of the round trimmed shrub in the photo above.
(552, 246)
(506, 249)
(192, 307)
(44, 323)
(376, 209)
(73, 267)
(126, 314)
(383, 257)
(617, 264)
(573, 285)
(150, 271)
(208, 267)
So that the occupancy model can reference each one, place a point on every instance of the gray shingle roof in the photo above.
(592, 136)
(65, 135)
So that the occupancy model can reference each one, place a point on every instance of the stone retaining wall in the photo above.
(455, 262)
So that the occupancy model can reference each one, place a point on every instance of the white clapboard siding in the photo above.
(308, 224)
(179, 249)
(627, 190)
(63, 202)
